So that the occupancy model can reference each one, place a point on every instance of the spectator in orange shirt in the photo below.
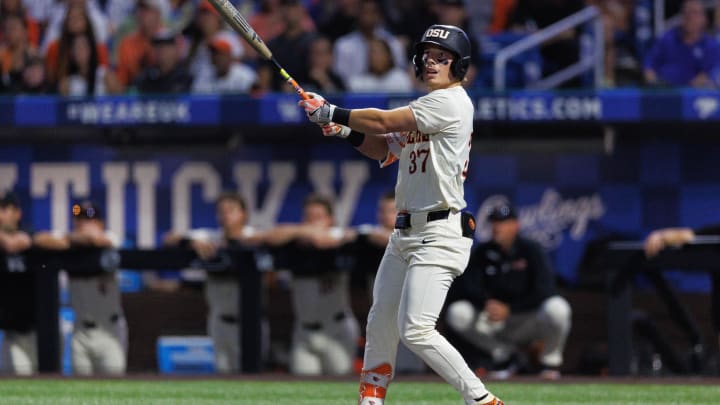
(16, 7)
(82, 74)
(77, 22)
(17, 57)
(135, 50)
(15, 51)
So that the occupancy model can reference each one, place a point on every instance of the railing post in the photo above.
(599, 52)
(581, 17)
(659, 17)
(499, 72)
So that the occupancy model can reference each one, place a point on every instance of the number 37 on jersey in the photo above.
(417, 147)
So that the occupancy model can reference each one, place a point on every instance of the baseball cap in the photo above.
(86, 210)
(501, 212)
(9, 198)
(221, 45)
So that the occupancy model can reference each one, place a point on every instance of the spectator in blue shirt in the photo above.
(685, 55)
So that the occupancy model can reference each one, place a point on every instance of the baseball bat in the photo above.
(238, 23)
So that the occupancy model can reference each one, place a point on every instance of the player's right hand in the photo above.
(317, 109)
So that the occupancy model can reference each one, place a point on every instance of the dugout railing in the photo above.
(45, 265)
(624, 261)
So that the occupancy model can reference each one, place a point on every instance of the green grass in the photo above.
(179, 392)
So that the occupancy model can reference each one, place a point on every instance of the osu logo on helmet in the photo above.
(437, 33)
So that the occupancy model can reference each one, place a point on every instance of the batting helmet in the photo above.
(448, 37)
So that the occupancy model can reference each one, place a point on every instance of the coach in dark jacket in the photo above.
(507, 298)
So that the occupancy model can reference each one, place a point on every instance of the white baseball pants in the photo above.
(18, 354)
(415, 274)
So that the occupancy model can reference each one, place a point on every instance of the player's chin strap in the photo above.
(374, 383)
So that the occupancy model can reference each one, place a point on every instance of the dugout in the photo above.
(581, 165)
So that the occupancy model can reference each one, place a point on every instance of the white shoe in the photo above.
(372, 401)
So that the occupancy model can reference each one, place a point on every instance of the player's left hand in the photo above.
(333, 129)
(317, 109)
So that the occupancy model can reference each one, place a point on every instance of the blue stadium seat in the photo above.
(185, 355)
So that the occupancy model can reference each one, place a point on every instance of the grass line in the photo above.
(206, 392)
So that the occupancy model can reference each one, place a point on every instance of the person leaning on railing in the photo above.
(222, 289)
(18, 352)
(99, 341)
(661, 239)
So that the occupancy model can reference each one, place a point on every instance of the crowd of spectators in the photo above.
(98, 47)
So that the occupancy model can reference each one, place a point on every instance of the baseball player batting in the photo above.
(433, 237)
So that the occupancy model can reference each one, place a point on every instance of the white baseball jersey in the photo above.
(421, 261)
(433, 159)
